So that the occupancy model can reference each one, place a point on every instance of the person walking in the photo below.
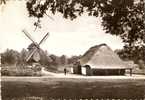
(65, 71)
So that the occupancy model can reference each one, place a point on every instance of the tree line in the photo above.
(52, 61)
(10, 57)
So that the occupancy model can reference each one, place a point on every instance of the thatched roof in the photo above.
(102, 57)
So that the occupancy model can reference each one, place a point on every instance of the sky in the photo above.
(65, 36)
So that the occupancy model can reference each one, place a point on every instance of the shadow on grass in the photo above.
(72, 89)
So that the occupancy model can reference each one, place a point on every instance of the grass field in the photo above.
(45, 88)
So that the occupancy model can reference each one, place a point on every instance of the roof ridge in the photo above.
(92, 50)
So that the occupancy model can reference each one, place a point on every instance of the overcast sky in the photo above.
(66, 37)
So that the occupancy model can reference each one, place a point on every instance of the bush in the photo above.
(139, 71)
(14, 71)
(5, 72)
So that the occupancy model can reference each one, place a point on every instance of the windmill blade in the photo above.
(29, 36)
(43, 39)
(31, 54)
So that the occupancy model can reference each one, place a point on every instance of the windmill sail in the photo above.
(29, 36)
(34, 49)
(44, 38)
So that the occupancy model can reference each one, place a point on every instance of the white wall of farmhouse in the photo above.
(84, 71)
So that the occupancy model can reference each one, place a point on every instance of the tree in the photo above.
(124, 18)
(64, 60)
(45, 59)
(137, 54)
(23, 55)
(2, 1)
(55, 60)
(10, 57)
(73, 59)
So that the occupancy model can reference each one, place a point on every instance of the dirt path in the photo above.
(69, 75)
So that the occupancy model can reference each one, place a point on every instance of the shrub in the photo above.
(5, 72)
(17, 71)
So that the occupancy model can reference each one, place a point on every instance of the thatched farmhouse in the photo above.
(100, 60)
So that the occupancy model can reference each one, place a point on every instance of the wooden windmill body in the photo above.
(36, 56)
(34, 47)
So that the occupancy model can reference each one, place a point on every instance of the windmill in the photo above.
(34, 54)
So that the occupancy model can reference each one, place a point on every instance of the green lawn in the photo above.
(71, 88)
